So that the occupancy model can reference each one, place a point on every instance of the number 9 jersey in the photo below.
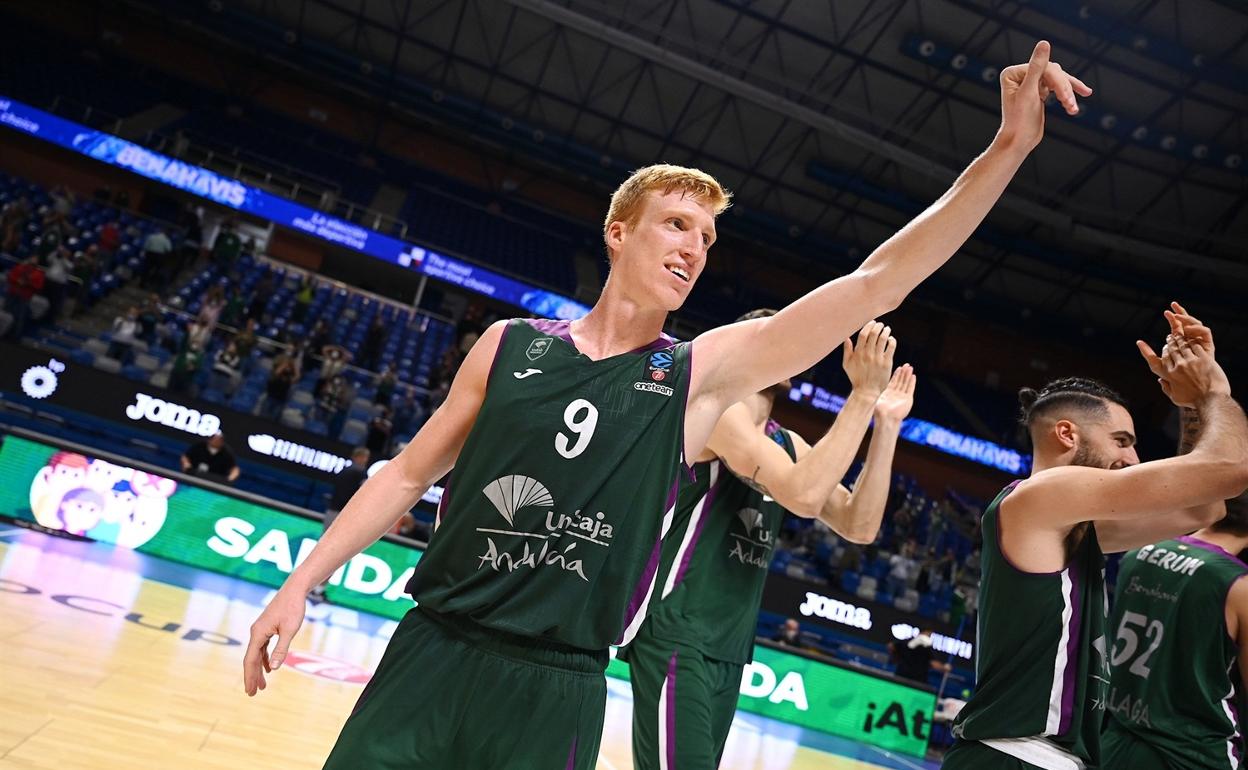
(1173, 676)
(551, 522)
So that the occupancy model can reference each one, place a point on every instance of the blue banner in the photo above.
(225, 191)
(926, 433)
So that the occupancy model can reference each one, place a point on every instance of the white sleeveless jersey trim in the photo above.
(1037, 751)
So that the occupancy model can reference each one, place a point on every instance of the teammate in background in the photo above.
(1042, 672)
(1181, 625)
(566, 440)
(685, 664)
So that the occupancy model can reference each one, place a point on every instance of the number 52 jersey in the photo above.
(1173, 676)
(551, 522)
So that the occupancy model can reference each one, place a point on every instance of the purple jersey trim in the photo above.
(646, 583)
(683, 567)
(572, 755)
(670, 716)
(1204, 545)
(1072, 651)
(563, 330)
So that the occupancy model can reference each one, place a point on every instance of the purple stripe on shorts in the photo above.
(683, 567)
(572, 756)
(670, 716)
(652, 566)
(1196, 542)
(1072, 650)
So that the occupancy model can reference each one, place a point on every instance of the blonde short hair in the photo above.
(628, 198)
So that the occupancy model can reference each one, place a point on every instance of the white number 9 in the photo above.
(582, 426)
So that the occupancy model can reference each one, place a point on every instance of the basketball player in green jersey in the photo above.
(1179, 627)
(1042, 671)
(566, 442)
(686, 662)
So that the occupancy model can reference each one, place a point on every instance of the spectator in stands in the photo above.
(790, 633)
(25, 280)
(943, 571)
(226, 246)
(374, 340)
(227, 369)
(159, 263)
(902, 569)
(232, 314)
(211, 305)
(246, 340)
(191, 220)
(303, 299)
(110, 240)
(198, 334)
(86, 268)
(334, 359)
(56, 229)
(916, 657)
(277, 389)
(408, 413)
(261, 293)
(343, 487)
(126, 331)
(149, 318)
(335, 400)
(318, 338)
(380, 431)
(185, 367)
(12, 221)
(57, 268)
(62, 201)
(386, 382)
(212, 459)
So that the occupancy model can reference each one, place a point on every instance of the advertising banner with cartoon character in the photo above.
(108, 501)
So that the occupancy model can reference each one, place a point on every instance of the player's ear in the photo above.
(1067, 433)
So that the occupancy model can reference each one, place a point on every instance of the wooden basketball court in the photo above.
(111, 659)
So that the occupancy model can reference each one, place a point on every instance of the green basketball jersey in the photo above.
(1172, 667)
(1041, 671)
(550, 525)
(715, 561)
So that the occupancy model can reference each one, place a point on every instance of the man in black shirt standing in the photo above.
(915, 657)
(348, 480)
(211, 458)
(345, 484)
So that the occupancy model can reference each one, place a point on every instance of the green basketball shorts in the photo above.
(450, 694)
(683, 704)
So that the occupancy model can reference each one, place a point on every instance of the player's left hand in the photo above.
(897, 399)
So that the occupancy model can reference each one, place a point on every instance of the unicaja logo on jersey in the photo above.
(510, 495)
(754, 547)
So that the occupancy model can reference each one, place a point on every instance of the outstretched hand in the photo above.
(1186, 368)
(898, 398)
(1024, 90)
(868, 363)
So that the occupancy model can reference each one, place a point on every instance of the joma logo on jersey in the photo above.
(511, 494)
(754, 548)
(538, 348)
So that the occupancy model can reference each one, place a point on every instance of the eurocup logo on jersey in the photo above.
(754, 548)
(511, 495)
(658, 369)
